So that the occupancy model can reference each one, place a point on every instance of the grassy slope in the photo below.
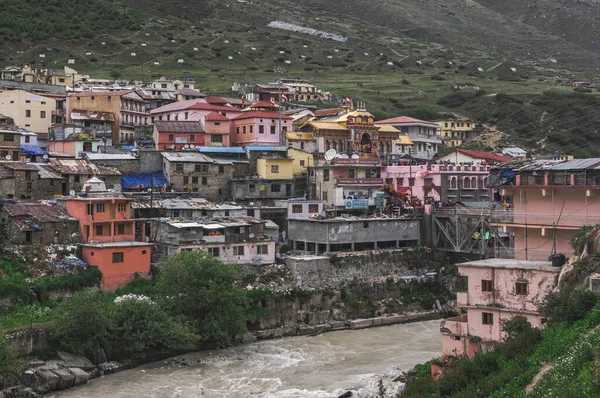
(205, 33)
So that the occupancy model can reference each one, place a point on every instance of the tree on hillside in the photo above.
(201, 287)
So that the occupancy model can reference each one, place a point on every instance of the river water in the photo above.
(320, 366)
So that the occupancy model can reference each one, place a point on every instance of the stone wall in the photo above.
(129, 166)
(25, 341)
(150, 161)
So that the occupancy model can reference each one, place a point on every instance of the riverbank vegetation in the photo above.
(557, 361)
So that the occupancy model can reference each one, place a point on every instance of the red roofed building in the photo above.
(177, 135)
(217, 129)
(259, 125)
(192, 110)
(459, 156)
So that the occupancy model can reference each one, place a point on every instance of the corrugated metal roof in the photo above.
(192, 157)
(267, 148)
(109, 156)
(179, 127)
(80, 166)
(578, 164)
(41, 212)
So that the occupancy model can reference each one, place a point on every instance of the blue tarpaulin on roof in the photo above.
(136, 181)
(32, 149)
(128, 147)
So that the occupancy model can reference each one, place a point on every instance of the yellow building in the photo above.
(455, 131)
(275, 169)
(302, 160)
(29, 111)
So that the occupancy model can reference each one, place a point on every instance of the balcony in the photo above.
(462, 299)
(507, 216)
(457, 326)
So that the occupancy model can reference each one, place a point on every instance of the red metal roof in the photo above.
(188, 92)
(209, 107)
(214, 100)
(327, 112)
(263, 104)
(484, 155)
(261, 114)
(216, 117)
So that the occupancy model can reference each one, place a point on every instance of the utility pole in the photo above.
(279, 70)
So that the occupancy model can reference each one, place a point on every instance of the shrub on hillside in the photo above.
(568, 305)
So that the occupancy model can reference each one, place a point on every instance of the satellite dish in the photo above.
(45, 157)
(72, 192)
(251, 203)
(8, 157)
(339, 155)
(355, 156)
(187, 147)
(251, 236)
(192, 146)
(344, 156)
(330, 154)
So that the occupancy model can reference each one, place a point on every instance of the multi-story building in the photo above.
(76, 145)
(109, 234)
(551, 200)
(454, 132)
(303, 141)
(178, 135)
(234, 240)
(462, 156)
(19, 180)
(75, 172)
(445, 182)
(195, 172)
(191, 110)
(498, 290)
(423, 134)
(202, 208)
(10, 144)
(259, 125)
(29, 111)
(98, 125)
(218, 130)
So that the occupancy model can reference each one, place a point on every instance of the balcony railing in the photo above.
(493, 214)
(562, 220)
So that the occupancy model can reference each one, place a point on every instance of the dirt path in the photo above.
(537, 378)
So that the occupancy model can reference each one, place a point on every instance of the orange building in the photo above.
(109, 234)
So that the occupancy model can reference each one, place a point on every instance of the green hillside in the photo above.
(401, 57)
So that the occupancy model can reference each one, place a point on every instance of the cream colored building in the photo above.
(29, 111)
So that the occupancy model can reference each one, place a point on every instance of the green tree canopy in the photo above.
(201, 287)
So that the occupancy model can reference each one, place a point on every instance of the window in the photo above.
(275, 188)
(214, 251)
(487, 286)
(27, 139)
(324, 195)
(42, 114)
(90, 209)
(117, 257)
(262, 249)
(467, 183)
(365, 224)
(326, 175)
(201, 168)
(221, 169)
(186, 180)
(143, 251)
(521, 288)
(27, 113)
(244, 130)
(121, 207)
(192, 137)
(238, 250)
(237, 130)
(428, 182)
(274, 168)
(99, 207)
(120, 229)
(179, 167)
(186, 114)
(261, 129)
(314, 208)
(194, 180)
(411, 182)
(171, 137)
(351, 173)
(487, 318)
(302, 163)
(204, 181)
(399, 182)
(29, 184)
(216, 138)
(272, 129)
(99, 230)
(9, 137)
(296, 209)
(252, 188)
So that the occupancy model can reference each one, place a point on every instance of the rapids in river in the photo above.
(325, 365)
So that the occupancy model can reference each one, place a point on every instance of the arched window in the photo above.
(473, 182)
(452, 182)
(466, 183)
(327, 145)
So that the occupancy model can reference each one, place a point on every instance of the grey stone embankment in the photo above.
(352, 324)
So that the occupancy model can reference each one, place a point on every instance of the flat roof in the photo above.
(512, 264)
(354, 219)
(117, 244)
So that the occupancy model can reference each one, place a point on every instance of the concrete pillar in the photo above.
(294, 245)
(375, 245)
(143, 228)
(327, 248)
(397, 243)
(352, 246)
(316, 248)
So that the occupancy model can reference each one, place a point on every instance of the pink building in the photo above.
(552, 200)
(498, 289)
(259, 125)
(192, 110)
(444, 182)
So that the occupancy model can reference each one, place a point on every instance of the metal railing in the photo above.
(494, 214)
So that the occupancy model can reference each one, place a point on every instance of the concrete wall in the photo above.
(150, 161)
(217, 182)
(15, 103)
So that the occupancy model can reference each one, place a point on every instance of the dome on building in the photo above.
(94, 184)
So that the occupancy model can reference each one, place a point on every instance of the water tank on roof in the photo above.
(558, 259)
